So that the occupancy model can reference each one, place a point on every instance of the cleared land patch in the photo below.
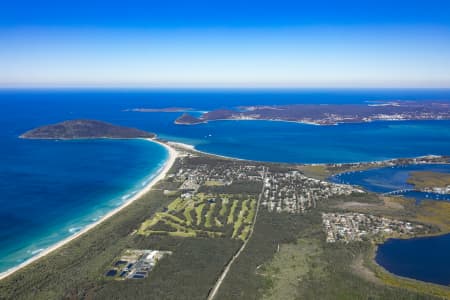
(290, 265)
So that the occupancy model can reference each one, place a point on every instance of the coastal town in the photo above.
(211, 199)
(289, 191)
(293, 192)
(318, 114)
(192, 177)
(357, 166)
(225, 150)
(208, 204)
(350, 227)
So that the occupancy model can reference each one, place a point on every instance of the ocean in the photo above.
(51, 189)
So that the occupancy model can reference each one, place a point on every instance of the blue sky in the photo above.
(225, 43)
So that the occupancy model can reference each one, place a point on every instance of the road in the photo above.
(222, 276)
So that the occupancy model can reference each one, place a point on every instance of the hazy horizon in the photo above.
(233, 44)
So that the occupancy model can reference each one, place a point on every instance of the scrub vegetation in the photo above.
(423, 180)
(285, 258)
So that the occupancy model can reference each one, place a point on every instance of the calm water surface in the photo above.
(393, 180)
(426, 259)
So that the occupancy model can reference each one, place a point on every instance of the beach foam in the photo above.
(161, 173)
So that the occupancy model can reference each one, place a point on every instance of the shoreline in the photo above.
(312, 123)
(192, 148)
(436, 289)
(172, 155)
(373, 257)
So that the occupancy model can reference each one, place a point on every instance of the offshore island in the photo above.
(235, 229)
(85, 129)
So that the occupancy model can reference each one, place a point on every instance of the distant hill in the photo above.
(85, 129)
(329, 114)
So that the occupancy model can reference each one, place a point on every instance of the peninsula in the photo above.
(329, 114)
(85, 129)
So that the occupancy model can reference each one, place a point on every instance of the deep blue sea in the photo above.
(50, 189)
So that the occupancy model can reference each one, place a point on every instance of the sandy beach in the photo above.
(192, 148)
(167, 165)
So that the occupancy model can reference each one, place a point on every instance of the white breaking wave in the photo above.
(127, 196)
(34, 252)
(75, 229)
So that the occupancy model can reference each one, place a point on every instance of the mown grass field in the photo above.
(212, 215)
